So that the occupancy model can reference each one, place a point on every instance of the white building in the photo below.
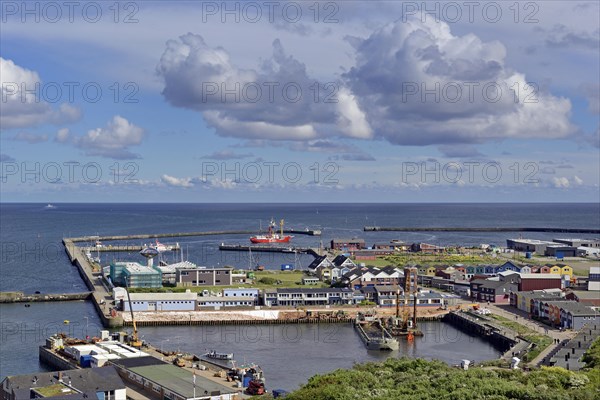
(161, 301)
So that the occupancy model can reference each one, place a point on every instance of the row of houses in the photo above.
(471, 271)
(358, 247)
(381, 295)
(566, 314)
(498, 289)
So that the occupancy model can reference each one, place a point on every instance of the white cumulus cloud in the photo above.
(22, 103)
(111, 141)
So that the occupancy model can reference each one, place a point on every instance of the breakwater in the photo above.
(309, 232)
(477, 229)
(20, 297)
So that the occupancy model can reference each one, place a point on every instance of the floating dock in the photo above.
(477, 229)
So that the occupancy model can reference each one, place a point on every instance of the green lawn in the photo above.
(436, 259)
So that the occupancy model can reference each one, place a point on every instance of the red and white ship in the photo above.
(272, 236)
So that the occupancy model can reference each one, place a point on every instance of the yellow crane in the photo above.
(135, 341)
(281, 227)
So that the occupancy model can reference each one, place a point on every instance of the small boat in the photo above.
(66, 322)
(50, 206)
(219, 356)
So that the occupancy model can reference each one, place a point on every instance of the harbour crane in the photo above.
(135, 341)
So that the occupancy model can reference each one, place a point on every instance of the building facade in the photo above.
(204, 276)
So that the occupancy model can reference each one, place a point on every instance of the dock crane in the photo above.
(135, 341)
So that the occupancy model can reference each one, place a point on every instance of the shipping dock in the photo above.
(373, 334)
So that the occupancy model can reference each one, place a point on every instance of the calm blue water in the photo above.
(32, 258)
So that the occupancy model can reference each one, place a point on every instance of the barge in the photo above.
(373, 333)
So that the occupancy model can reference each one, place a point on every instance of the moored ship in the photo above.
(271, 236)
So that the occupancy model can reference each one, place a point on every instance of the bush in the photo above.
(267, 281)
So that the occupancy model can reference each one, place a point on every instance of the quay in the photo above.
(130, 249)
(505, 339)
(100, 294)
(309, 232)
(20, 297)
(477, 229)
(269, 249)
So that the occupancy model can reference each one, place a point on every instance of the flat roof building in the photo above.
(159, 380)
(87, 383)
(529, 245)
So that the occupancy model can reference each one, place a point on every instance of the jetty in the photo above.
(100, 293)
(20, 297)
(505, 339)
(268, 249)
(309, 232)
(127, 248)
(477, 229)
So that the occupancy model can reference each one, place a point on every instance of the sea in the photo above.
(33, 259)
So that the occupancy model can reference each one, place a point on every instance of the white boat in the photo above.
(49, 206)
(159, 247)
(219, 356)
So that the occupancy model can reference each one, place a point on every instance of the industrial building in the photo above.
(347, 244)
(204, 276)
(135, 275)
(528, 245)
(169, 271)
(91, 383)
(159, 301)
(593, 243)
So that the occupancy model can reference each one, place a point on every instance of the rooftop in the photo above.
(314, 290)
(164, 296)
(531, 241)
(85, 381)
(180, 381)
(587, 294)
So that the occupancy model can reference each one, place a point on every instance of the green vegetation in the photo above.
(404, 378)
(437, 259)
(591, 358)
(540, 341)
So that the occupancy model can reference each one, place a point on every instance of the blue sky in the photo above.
(511, 110)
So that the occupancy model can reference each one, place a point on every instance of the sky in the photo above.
(349, 101)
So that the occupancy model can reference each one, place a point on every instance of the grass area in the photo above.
(540, 341)
(433, 259)
(287, 279)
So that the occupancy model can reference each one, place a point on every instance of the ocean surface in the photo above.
(33, 259)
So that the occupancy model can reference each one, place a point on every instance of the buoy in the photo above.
(27, 305)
